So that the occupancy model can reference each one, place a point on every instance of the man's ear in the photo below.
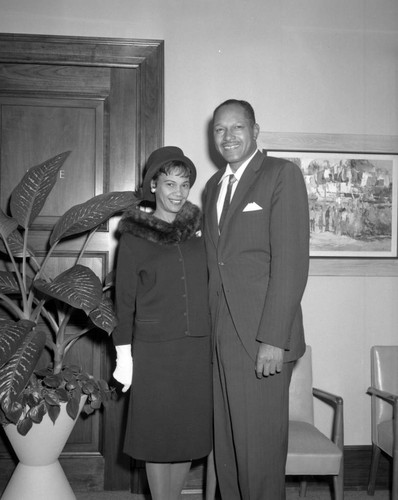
(256, 130)
(153, 186)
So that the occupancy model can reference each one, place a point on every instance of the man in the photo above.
(258, 268)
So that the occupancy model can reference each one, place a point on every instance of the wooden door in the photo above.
(101, 99)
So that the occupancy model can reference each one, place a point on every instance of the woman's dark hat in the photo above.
(155, 161)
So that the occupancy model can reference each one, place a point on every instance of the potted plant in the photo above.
(39, 307)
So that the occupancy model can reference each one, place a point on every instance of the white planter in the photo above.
(39, 475)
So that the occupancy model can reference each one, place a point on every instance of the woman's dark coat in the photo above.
(162, 307)
(161, 278)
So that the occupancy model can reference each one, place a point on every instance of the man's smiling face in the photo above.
(234, 134)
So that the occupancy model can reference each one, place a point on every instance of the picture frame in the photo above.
(352, 202)
(352, 186)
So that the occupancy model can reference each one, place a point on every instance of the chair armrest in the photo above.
(327, 397)
(338, 422)
(390, 397)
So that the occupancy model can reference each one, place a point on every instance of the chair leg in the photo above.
(373, 469)
(338, 486)
(394, 495)
(303, 488)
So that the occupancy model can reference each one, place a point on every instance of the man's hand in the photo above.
(269, 360)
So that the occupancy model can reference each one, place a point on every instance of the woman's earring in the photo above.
(153, 190)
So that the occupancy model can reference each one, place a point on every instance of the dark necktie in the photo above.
(227, 201)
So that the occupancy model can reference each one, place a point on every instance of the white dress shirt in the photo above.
(224, 180)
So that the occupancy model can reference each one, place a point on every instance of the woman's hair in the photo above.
(174, 167)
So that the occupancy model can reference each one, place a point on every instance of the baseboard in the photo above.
(86, 473)
(356, 473)
(357, 466)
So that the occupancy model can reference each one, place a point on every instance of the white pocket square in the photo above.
(252, 207)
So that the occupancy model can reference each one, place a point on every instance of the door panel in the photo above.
(101, 99)
(34, 130)
(48, 78)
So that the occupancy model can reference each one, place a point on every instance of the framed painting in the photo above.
(352, 187)
(352, 202)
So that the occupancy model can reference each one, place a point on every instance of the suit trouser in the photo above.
(250, 419)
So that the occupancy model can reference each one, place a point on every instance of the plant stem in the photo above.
(12, 306)
(88, 239)
(21, 283)
(59, 349)
(46, 259)
(72, 338)
(58, 358)
(25, 248)
(42, 311)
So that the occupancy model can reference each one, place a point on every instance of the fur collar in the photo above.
(145, 225)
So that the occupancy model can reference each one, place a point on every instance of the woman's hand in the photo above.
(124, 366)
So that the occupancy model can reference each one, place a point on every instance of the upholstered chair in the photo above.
(310, 452)
(384, 411)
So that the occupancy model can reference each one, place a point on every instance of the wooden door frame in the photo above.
(146, 57)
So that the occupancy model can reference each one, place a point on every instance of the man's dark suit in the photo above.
(258, 270)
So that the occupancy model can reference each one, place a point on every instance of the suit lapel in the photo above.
(211, 207)
(242, 193)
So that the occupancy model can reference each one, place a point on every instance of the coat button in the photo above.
(221, 263)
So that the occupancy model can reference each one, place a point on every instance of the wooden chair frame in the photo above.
(337, 437)
(393, 400)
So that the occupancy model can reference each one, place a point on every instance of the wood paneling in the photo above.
(102, 99)
(33, 130)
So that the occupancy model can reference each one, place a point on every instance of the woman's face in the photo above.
(171, 192)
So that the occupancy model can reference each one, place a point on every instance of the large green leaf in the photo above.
(92, 213)
(8, 283)
(12, 335)
(16, 373)
(31, 193)
(7, 225)
(79, 287)
(103, 316)
(15, 243)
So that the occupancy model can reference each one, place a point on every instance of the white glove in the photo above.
(124, 366)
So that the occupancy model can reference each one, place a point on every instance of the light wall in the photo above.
(314, 66)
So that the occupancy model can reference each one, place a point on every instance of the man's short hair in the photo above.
(244, 104)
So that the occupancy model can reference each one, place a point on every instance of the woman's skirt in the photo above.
(170, 408)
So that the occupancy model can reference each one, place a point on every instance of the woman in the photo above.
(162, 307)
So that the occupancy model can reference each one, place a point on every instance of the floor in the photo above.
(291, 494)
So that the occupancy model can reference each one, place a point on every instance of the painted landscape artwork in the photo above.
(352, 203)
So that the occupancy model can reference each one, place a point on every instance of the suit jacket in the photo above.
(261, 258)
